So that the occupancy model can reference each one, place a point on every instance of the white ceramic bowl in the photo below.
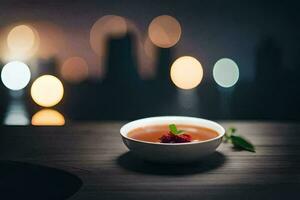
(172, 152)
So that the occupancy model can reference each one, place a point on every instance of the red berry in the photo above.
(171, 138)
(183, 138)
(167, 138)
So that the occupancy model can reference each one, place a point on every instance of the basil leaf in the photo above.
(228, 133)
(173, 128)
(232, 130)
(226, 138)
(242, 143)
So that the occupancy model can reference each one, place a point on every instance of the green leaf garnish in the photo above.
(242, 143)
(229, 133)
(238, 141)
(173, 129)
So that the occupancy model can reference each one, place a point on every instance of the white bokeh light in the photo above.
(15, 75)
(226, 72)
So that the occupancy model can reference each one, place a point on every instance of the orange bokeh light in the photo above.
(74, 69)
(107, 26)
(48, 117)
(164, 31)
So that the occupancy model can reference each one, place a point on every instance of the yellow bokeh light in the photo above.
(186, 72)
(107, 26)
(74, 69)
(164, 31)
(21, 39)
(48, 117)
(47, 91)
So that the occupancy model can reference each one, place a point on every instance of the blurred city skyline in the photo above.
(114, 58)
(210, 30)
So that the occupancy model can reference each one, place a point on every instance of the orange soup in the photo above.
(155, 132)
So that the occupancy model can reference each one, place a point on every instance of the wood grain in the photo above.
(95, 153)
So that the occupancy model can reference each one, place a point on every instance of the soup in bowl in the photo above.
(172, 139)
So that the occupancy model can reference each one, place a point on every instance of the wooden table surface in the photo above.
(95, 153)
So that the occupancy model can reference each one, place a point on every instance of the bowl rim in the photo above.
(124, 132)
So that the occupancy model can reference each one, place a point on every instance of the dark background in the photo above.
(262, 37)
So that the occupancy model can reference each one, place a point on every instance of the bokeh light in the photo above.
(164, 31)
(16, 111)
(107, 26)
(19, 42)
(186, 72)
(48, 117)
(15, 75)
(74, 70)
(47, 90)
(20, 39)
(226, 72)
